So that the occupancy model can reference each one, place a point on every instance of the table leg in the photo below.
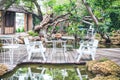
(64, 50)
(54, 49)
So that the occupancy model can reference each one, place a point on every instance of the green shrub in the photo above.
(21, 29)
(35, 34)
(18, 30)
(103, 59)
(32, 33)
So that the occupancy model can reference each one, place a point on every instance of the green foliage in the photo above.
(74, 30)
(103, 59)
(36, 20)
(102, 28)
(25, 3)
(104, 4)
(66, 74)
(59, 8)
(108, 11)
(50, 3)
(20, 29)
(32, 33)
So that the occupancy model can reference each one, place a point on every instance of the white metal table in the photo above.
(62, 42)
(11, 48)
(69, 38)
(8, 43)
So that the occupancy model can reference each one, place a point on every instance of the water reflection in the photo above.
(41, 73)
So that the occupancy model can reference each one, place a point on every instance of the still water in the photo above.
(47, 73)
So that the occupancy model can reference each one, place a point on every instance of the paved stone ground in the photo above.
(110, 53)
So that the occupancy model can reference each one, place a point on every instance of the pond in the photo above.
(51, 72)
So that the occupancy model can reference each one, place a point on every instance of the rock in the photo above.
(90, 64)
(111, 77)
(3, 69)
(0, 44)
(20, 40)
(36, 38)
(105, 68)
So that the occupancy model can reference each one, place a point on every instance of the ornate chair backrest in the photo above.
(95, 45)
(27, 43)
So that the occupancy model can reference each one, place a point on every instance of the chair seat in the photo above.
(87, 48)
(38, 50)
(34, 47)
(10, 46)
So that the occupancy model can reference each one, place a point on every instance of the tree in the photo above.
(107, 12)
(68, 10)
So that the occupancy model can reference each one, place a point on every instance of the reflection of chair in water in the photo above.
(87, 48)
(29, 74)
(36, 47)
(38, 75)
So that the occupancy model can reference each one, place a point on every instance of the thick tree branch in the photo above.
(39, 9)
(55, 24)
(61, 16)
(48, 20)
(87, 22)
(90, 12)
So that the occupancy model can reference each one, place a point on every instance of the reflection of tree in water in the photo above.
(41, 73)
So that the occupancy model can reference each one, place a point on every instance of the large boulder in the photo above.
(111, 77)
(90, 64)
(105, 68)
(3, 69)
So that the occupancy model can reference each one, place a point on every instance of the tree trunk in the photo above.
(90, 12)
(106, 37)
(39, 9)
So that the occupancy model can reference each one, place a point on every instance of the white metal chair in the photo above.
(31, 48)
(9, 45)
(87, 48)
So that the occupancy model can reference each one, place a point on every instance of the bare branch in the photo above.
(87, 22)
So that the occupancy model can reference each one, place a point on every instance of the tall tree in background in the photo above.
(67, 10)
(108, 14)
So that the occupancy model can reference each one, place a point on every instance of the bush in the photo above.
(32, 33)
(35, 34)
(20, 29)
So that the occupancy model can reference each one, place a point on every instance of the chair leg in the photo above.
(93, 56)
(29, 55)
(79, 57)
(43, 56)
(79, 74)
(29, 72)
